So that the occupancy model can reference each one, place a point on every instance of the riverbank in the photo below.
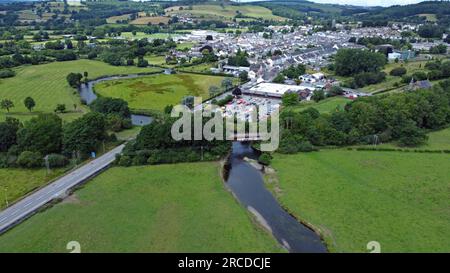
(247, 186)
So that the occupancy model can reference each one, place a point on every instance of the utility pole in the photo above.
(6, 197)
(47, 164)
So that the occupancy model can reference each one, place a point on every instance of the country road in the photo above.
(27, 206)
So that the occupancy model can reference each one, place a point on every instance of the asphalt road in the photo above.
(27, 206)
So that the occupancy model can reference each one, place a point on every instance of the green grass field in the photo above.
(157, 91)
(145, 209)
(227, 12)
(47, 85)
(199, 68)
(185, 46)
(19, 182)
(141, 35)
(438, 140)
(323, 106)
(411, 67)
(399, 199)
(156, 60)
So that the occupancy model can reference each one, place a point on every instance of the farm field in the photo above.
(437, 140)
(201, 68)
(225, 12)
(145, 209)
(156, 60)
(411, 67)
(154, 20)
(18, 182)
(114, 19)
(157, 91)
(323, 106)
(353, 197)
(47, 85)
(141, 35)
(185, 46)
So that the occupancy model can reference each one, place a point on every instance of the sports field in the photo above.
(398, 199)
(145, 209)
(48, 86)
(157, 91)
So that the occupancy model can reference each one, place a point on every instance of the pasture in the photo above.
(157, 91)
(48, 86)
(145, 209)
(225, 12)
(154, 20)
(323, 106)
(15, 183)
(353, 197)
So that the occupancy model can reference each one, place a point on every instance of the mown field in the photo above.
(48, 86)
(227, 12)
(354, 197)
(157, 91)
(145, 209)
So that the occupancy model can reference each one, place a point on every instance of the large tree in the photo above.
(41, 134)
(8, 132)
(29, 103)
(111, 106)
(6, 104)
(349, 61)
(84, 134)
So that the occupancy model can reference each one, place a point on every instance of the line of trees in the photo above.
(155, 145)
(26, 144)
(404, 118)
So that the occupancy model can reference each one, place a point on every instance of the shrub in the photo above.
(398, 71)
(139, 159)
(125, 161)
(29, 159)
(57, 160)
(265, 159)
(306, 146)
(7, 73)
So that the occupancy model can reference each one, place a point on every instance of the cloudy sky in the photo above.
(369, 2)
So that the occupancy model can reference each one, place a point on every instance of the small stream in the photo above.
(247, 184)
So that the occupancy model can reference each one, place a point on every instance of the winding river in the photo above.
(247, 185)
(87, 94)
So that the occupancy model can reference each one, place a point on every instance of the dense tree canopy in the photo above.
(41, 134)
(84, 134)
(349, 62)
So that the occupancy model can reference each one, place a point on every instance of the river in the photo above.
(247, 184)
